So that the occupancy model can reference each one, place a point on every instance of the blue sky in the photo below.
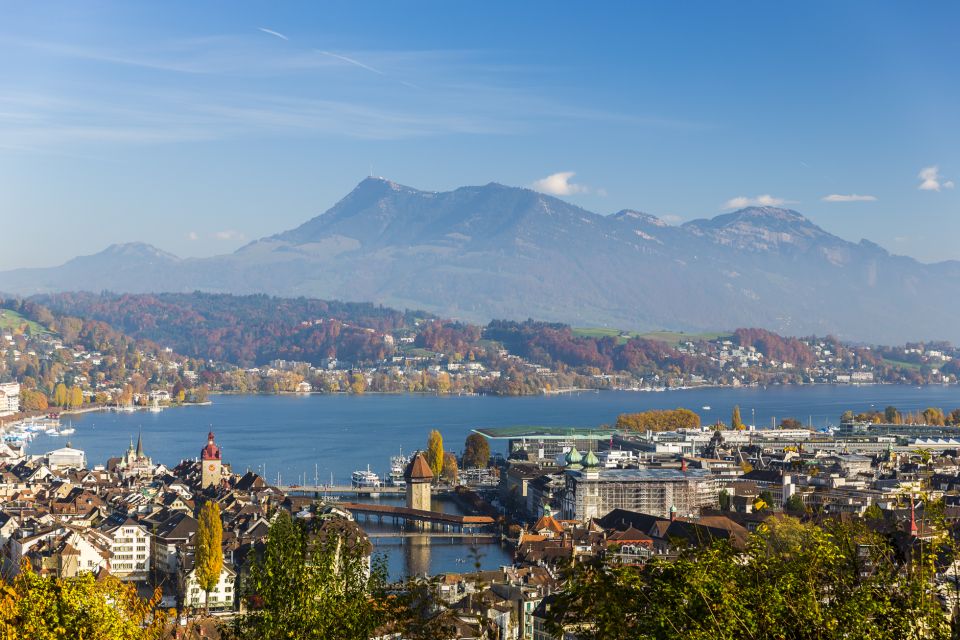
(199, 127)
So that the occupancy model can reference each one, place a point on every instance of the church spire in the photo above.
(140, 444)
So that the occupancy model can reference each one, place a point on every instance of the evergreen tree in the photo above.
(435, 452)
(208, 558)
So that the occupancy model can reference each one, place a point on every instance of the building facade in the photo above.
(593, 493)
(212, 461)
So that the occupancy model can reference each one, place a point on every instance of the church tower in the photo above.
(419, 477)
(211, 461)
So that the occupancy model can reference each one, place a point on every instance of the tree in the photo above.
(476, 451)
(76, 397)
(358, 384)
(312, 590)
(933, 416)
(792, 580)
(450, 469)
(891, 415)
(724, 500)
(795, 504)
(60, 397)
(846, 417)
(435, 453)
(735, 421)
(791, 423)
(659, 420)
(208, 558)
(38, 608)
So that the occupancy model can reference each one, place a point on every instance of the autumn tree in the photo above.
(476, 451)
(60, 395)
(208, 558)
(358, 384)
(75, 397)
(659, 420)
(735, 421)
(450, 469)
(39, 608)
(435, 453)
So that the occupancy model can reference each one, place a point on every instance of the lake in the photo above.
(295, 437)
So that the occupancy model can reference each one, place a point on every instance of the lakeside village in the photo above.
(559, 497)
(88, 366)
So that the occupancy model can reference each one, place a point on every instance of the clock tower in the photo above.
(211, 462)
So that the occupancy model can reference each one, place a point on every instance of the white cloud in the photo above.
(558, 184)
(931, 180)
(848, 197)
(228, 234)
(273, 33)
(764, 200)
(671, 218)
(193, 235)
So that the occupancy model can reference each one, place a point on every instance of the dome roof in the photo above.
(590, 460)
(573, 456)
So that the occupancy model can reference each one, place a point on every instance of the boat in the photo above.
(398, 465)
(68, 431)
(705, 407)
(155, 406)
(366, 480)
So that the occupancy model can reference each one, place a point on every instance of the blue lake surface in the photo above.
(294, 437)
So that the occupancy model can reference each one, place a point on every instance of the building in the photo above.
(592, 492)
(418, 477)
(9, 398)
(135, 463)
(129, 546)
(67, 458)
(193, 597)
(212, 464)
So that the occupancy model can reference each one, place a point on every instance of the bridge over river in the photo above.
(422, 519)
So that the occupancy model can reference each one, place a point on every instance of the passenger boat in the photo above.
(366, 480)
(398, 464)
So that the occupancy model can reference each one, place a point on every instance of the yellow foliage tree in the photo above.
(208, 558)
(435, 452)
(37, 608)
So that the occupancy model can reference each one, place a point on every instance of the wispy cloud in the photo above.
(559, 184)
(228, 234)
(193, 236)
(349, 60)
(848, 197)
(274, 33)
(931, 180)
(764, 200)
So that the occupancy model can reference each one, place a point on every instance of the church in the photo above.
(134, 463)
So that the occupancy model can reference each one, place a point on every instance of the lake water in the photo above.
(295, 437)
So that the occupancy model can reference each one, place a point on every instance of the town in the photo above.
(623, 496)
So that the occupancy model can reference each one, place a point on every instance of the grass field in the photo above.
(673, 338)
(10, 319)
(901, 363)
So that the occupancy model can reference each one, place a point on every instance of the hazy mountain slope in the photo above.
(500, 252)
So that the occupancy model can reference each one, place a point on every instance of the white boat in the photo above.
(705, 407)
(398, 464)
(155, 407)
(366, 480)
(68, 431)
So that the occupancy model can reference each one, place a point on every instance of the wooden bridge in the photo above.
(433, 535)
(423, 520)
(340, 489)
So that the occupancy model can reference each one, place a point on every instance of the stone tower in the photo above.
(212, 464)
(419, 478)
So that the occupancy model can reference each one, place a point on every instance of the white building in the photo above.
(222, 596)
(67, 458)
(130, 548)
(9, 398)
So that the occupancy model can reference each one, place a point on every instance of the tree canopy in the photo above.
(476, 451)
(659, 420)
(208, 558)
(435, 452)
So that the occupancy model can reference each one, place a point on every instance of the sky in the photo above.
(198, 127)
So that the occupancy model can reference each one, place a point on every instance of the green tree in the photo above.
(794, 504)
(476, 451)
(735, 421)
(208, 558)
(891, 415)
(435, 452)
(724, 500)
(38, 608)
(793, 580)
(312, 590)
(358, 384)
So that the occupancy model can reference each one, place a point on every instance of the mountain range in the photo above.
(495, 251)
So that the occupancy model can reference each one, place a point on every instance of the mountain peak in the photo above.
(138, 250)
(631, 215)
